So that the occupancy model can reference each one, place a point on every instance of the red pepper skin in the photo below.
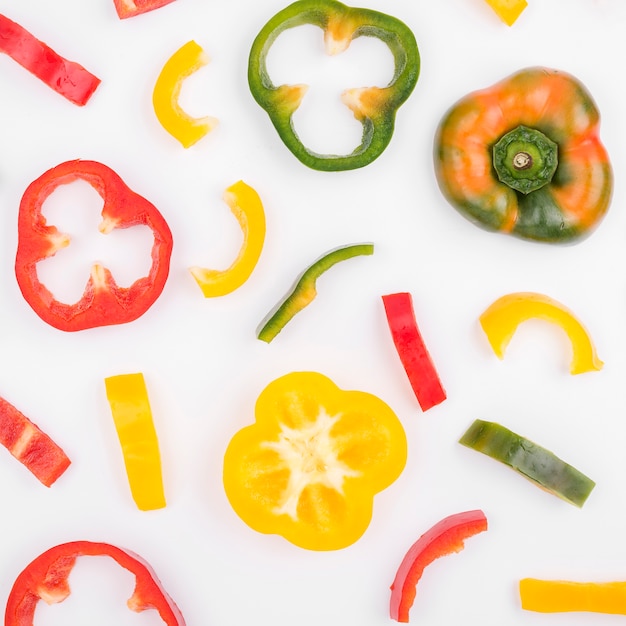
(47, 577)
(103, 302)
(412, 350)
(130, 8)
(445, 537)
(30, 446)
(67, 78)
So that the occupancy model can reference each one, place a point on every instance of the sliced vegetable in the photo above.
(374, 107)
(130, 406)
(310, 465)
(539, 465)
(46, 578)
(246, 206)
(501, 319)
(184, 62)
(103, 302)
(445, 537)
(524, 157)
(508, 10)
(561, 596)
(304, 290)
(412, 350)
(30, 446)
(130, 8)
(67, 78)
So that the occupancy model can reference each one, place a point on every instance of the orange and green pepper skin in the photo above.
(561, 205)
(374, 107)
(310, 465)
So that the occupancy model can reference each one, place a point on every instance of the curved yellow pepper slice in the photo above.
(310, 465)
(130, 406)
(561, 596)
(246, 206)
(184, 62)
(501, 319)
(508, 10)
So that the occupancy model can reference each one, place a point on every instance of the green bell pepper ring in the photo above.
(374, 107)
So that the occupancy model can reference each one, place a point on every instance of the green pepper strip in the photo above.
(532, 461)
(374, 107)
(304, 290)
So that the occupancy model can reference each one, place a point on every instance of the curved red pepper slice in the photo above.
(67, 78)
(445, 537)
(103, 302)
(130, 8)
(46, 577)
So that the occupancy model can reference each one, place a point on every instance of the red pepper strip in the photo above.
(67, 78)
(445, 537)
(412, 350)
(30, 446)
(46, 577)
(103, 302)
(129, 8)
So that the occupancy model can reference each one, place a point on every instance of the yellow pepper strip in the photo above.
(501, 319)
(246, 206)
(184, 62)
(560, 596)
(508, 10)
(130, 406)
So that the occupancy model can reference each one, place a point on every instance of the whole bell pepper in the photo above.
(524, 157)
(310, 465)
(374, 107)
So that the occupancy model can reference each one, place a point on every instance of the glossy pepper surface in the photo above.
(563, 596)
(508, 10)
(130, 8)
(501, 319)
(103, 302)
(184, 62)
(247, 207)
(130, 406)
(46, 578)
(67, 78)
(446, 537)
(524, 157)
(532, 461)
(374, 107)
(310, 465)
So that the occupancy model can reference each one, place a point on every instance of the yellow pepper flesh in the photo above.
(184, 62)
(246, 206)
(310, 465)
(130, 407)
(560, 596)
(501, 319)
(508, 10)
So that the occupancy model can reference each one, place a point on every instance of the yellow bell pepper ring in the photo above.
(184, 62)
(501, 319)
(561, 596)
(130, 407)
(508, 10)
(247, 207)
(310, 465)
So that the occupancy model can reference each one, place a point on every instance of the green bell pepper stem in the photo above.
(374, 107)
(529, 459)
(304, 290)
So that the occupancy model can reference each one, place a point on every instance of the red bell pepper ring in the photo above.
(130, 8)
(30, 446)
(103, 302)
(445, 537)
(412, 350)
(46, 577)
(67, 78)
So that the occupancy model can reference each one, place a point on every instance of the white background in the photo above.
(204, 367)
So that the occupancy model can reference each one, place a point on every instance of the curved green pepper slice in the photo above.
(374, 107)
(304, 290)
(529, 459)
